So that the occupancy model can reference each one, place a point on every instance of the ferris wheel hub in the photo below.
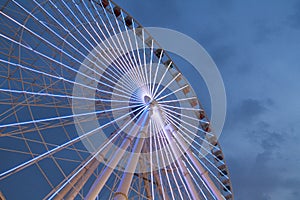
(99, 79)
(147, 99)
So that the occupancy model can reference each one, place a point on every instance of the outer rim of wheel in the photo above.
(216, 142)
(206, 117)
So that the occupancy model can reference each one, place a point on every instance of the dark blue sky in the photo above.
(256, 46)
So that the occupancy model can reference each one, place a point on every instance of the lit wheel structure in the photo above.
(93, 107)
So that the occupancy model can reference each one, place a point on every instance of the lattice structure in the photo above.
(63, 70)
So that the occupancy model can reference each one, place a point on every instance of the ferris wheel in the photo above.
(92, 107)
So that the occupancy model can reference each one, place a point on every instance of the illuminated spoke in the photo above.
(93, 107)
(52, 151)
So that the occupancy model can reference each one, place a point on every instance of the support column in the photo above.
(78, 186)
(80, 179)
(186, 174)
(175, 150)
(147, 186)
(162, 191)
(95, 163)
(71, 184)
(101, 180)
(203, 173)
(122, 191)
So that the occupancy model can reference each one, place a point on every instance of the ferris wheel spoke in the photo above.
(206, 184)
(124, 67)
(163, 143)
(130, 60)
(137, 60)
(63, 146)
(138, 53)
(24, 130)
(166, 86)
(188, 176)
(178, 100)
(125, 60)
(134, 60)
(83, 69)
(114, 160)
(178, 161)
(16, 107)
(173, 92)
(61, 96)
(177, 125)
(159, 180)
(69, 81)
(49, 43)
(84, 16)
(71, 182)
(81, 22)
(151, 157)
(77, 19)
(213, 174)
(47, 143)
(162, 162)
(150, 68)
(170, 187)
(177, 171)
(156, 72)
(182, 132)
(112, 81)
(174, 151)
(119, 68)
(170, 116)
(51, 59)
(162, 77)
(180, 108)
(197, 149)
(192, 174)
(190, 125)
(132, 162)
(67, 116)
(183, 115)
(145, 58)
(147, 78)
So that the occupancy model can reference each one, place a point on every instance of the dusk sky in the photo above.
(256, 46)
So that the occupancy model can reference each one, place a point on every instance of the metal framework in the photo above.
(156, 140)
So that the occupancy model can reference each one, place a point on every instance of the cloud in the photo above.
(265, 167)
(248, 110)
(270, 144)
(255, 181)
(262, 154)
(264, 176)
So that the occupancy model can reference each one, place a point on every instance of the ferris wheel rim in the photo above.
(61, 78)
